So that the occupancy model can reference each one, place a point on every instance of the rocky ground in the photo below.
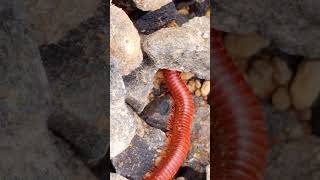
(145, 37)
(54, 73)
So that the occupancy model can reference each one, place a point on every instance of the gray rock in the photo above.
(150, 5)
(78, 77)
(139, 84)
(295, 160)
(124, 41)
(157, 112)
(122, 126)
(139, 157)
(200, 26)
(28, 151)
(51, 20)
(292, 26)
(179, 49)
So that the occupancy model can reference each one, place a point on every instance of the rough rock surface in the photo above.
(180, 49)
(28, 150)
(295, 160)
(78, 79)
(139, 84)
(150, 5)
(51, 20)
(124, 41)
(292, 26)
(139, 157)
(122, 126)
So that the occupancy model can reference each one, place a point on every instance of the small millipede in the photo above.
(239, 133)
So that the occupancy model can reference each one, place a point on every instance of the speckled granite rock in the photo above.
(122, 126)
(179, 49)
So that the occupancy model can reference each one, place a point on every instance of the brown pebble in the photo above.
(205, 88)
(198, 84)
(198, 93)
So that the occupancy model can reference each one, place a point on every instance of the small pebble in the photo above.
(281, 99)
(205, 88)
(191, 86)
(198, 93)
(183, 11)
(305, 87)
(186, 75)
(198, 84)
(281, 72)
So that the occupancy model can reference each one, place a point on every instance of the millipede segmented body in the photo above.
(239, 133)
(179, 125)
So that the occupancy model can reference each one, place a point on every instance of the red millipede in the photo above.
(179, 126)
(239, 132)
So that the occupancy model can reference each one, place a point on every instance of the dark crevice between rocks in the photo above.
(190, 174)
(104, 167)
(315, 119)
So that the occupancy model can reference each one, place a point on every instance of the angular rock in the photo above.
(122, 123)
(200, 26)
(124, 41)
(28, 150)
(157, 112)
(179, 49)
(139, 84)
(292, 26)
(139, 157)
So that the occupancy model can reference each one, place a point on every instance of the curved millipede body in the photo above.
(179, 126)
(239, 133)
